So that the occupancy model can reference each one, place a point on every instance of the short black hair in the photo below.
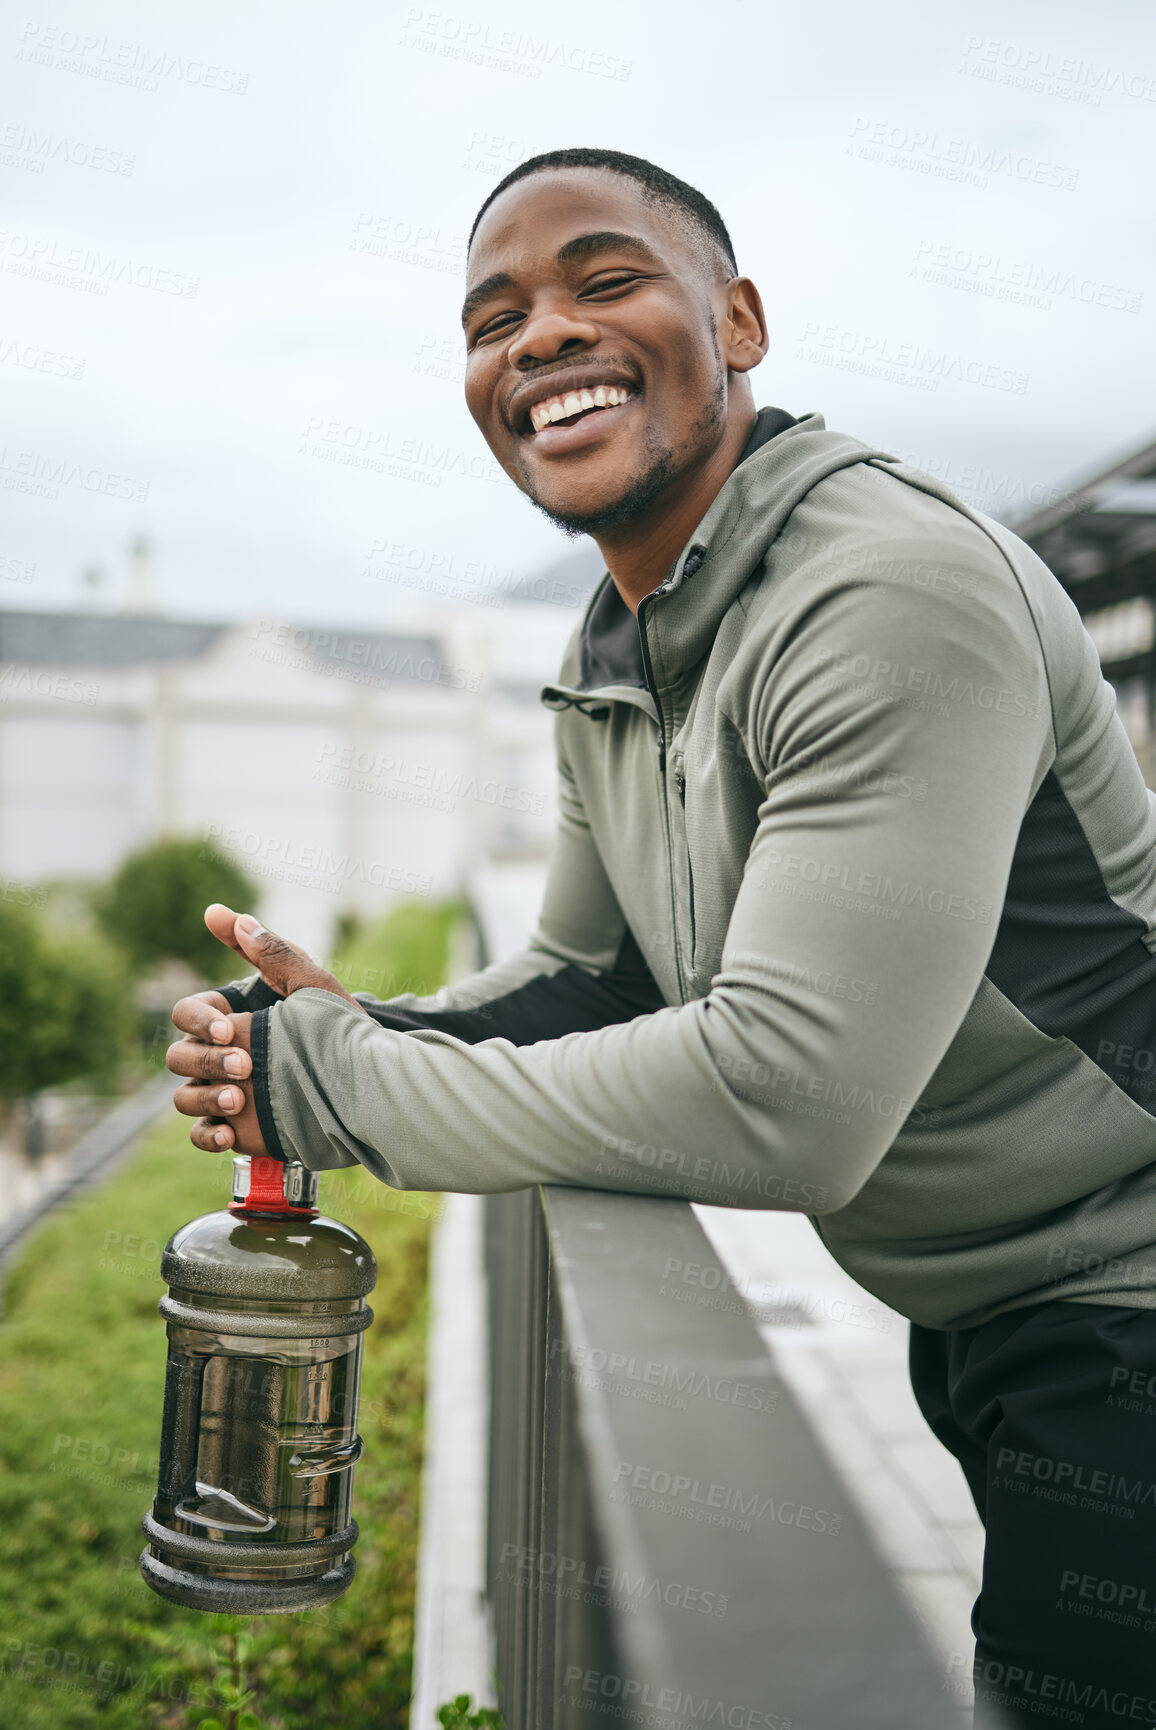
(658, 187)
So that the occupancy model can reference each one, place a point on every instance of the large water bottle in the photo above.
(265, 1310)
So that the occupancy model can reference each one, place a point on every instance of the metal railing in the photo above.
(667, 1544)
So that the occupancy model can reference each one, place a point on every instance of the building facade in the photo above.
(344, 770)
(1100, 540)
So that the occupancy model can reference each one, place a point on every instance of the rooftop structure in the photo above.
(1100, 540)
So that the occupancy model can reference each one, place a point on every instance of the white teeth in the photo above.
(575, 402)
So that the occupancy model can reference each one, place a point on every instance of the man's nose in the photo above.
(549, 334)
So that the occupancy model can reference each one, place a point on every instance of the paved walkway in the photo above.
(65, 1118)
(845, 1357)
(453, 1645)
(52, 1182)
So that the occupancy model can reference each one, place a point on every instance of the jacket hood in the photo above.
(682, 616)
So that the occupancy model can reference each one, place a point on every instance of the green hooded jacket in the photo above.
(850, 912)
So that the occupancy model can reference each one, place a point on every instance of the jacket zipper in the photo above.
(648, 670)
(680, 784)
(653, 689)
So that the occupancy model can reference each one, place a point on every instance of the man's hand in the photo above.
(282, 966)
(215, 1051)
(215, 1055)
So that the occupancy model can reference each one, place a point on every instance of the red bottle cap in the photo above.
(265, 1192)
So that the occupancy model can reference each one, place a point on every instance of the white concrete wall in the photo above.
(339, 788)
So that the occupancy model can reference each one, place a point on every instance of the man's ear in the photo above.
(743, 326)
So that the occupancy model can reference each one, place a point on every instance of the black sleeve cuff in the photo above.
(547, 1007)
(258, 996)
(259, 1052)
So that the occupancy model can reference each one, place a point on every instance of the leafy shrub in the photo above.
(65, 1004)
(456, 1715)
(154, 906)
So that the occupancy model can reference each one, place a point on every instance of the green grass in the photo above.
(407, 951)
(83, 1641)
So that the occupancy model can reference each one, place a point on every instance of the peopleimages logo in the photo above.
(957, 159)
(878, 356)
(404, 242)
(1029, 67)
(320, 650)
(80, 267)
(44, 475)
(377, 770)
(479, 43)
(925, 682)
(715, 1174)
(999, 1684)
(130, 63)
(667, 1708)
(565, 1574)
(25, 681)
(1097, 1485)
(782, 871)
(275, 855)
(675, 1378)
(1092, 1588)
(349, 444)
(25, 147)
(727, 1505)
(30, 357)
(1020, 281)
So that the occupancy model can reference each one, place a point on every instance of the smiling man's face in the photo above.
(594, 369)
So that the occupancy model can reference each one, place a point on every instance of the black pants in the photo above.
(1051, 1412)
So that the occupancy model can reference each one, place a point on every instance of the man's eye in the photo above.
(495, 326)
(609, 284)
(502, 323)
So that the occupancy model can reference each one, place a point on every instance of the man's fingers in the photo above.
(210, 1135)
(221, 921)
(205, 1016)
(193, 1101)
(282, 965)
(208, 1062)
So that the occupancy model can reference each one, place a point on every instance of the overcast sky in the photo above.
(249, 226)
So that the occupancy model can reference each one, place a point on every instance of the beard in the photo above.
(659, 468)
(633, 501)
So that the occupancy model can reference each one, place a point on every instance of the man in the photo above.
(851, 910)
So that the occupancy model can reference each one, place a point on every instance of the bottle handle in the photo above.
(260, 1186)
